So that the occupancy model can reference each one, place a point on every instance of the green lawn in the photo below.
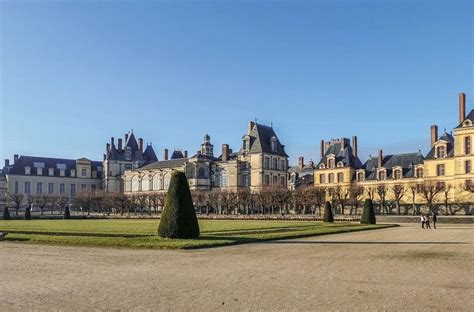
(142, 233)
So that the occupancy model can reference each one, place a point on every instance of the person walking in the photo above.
(422, 221)
(427, 221)
(434, 218)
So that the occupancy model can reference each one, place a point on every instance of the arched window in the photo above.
(135, 184)
(224, 179)
(156, 182)
(201, 173)
(145, 183)
(166, 181)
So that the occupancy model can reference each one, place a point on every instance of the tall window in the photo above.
(331, 163)
(27, 170)
(322, 178)
(266, 163)
(145, 184)
(27, 188)
(397, 174)
(282, 165)
(266, 180)
(39, 171)
(382, 175)
(50, 188)
(340, 177)
(201, 173)
(83, 172)
(73, 190)
(224, 179)
(275, 164)
(467, 166)
(62, 188)
(441, 151)
(274, 144)
(135, 184)
(360, 176)
(275, 181)
(156, 182)
(16, 187)
(419, 173)
(39, 188)
(282, 181)
(166, 181)
(440, 186)
(440, 170)
(331, 178)
(51, 171)
(467, 145)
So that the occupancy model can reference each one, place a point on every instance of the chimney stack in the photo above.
(140, 145)
(462, 107)
(112, 141)
(165, 154)
(251, 124)
(225, 152)
(15, 158)
(301, 161)
(321, 149)
(7, 162)
(434, 134)
(380, 158)
(107, 147)
(119, 144)
(354, 145)
(185, 154)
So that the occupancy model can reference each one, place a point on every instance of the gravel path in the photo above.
(402, 268)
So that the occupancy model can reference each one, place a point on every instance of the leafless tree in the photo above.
(62, 201)
(429, 191)
(84, 201)
(382, 192)
(356, 195)
(446, 189)
(245, 199)
(342, 197)
(41, 200)
(414, 191)
(16, 199)
(398, 193)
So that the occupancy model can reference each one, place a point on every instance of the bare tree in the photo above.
(382, 192)
(16, 200)
(356, 195)
(41, 200)
(446, 189)
(245, 199)
(429, 191)
(342, 197)
(398, 193)
(62, 202)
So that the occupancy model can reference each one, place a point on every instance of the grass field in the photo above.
(142, 233)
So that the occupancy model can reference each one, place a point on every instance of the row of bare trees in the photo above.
(302, 201)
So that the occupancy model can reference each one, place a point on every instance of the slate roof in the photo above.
(177, 155)
(407, 161)
(164, 164)
(469, 116)
(113, 153)
(345, 155)
(203, 157)
(307, 169)
(18, 168)
(450, 146)
(149, 154)
(260, 140)
(131, 142)
(304, 181)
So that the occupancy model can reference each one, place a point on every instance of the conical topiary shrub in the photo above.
(67, 213)
(327, 216)
(178, 219)
(28, 213)
(368, 215)
(6, 214)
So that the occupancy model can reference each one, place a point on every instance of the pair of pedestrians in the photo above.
(426, 221)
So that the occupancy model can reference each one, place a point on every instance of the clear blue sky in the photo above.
(75, 73)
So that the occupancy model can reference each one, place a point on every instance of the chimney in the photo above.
(321, 149)
(434, 134)
(165, 154)
(354, 145)
(140, 145)
(112, 141)
(15, 158)
(107, 147)
(343, 143)
(379, 159)
(185, 154)
(7, 162)
(251, 124)
(120, 144)
(462, 107)
(301, 161)
(225, 152)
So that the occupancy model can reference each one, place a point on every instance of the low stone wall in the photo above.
(416, 219)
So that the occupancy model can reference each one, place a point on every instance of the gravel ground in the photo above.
(402, 268)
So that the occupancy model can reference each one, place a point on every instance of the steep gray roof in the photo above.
(164, 164)
(469, 116)
(177, 155)
(450, 146)
(345, 155)
(149, 154)
(260, 140)
(407, 161)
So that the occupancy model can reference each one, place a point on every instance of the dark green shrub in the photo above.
(28, 213)
(67, 213)
(6, 214)
(368, 215)
(327, 216)
(178, 219)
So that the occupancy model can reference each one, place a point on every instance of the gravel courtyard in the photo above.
(402, 268)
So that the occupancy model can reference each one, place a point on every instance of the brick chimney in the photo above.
(15, 158)
(225, 152)
(434, 134)
(251, 124)
(7, 162)
(301, 161)
(185, 154)
(379, 159)
(462, 107)
(119, 147)
(321, 149)
(165, 154)
(140, 145)
(354, 145)
(112, 141)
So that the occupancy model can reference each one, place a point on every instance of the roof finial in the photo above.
(132, 130)
(271, 124)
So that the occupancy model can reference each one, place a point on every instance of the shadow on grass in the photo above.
(17, 239)
(369, 243)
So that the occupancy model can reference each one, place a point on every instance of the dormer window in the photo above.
(128, 153)
(419, 172)
(62, 172)
(274, 144)
(360, 176)
(73, 172)
(39, 171)
(382, 174)
(340, 164)
(331, 162)
(322, 166)
(50, 171)
(397, 174)
(28, 170)
(441, 151)
(467, 123)
(246, 143)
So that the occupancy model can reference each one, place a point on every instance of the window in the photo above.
(224, 179)
(331, 178)
(201, 173)
(266, 163)
(419, 172)
(274, 144)
(73, 190)
(73, 172)
(166, 181)
(267, 180)
(134, 183)
(282, 164)
(419, 188)
(50, 188)
(382, 175)
(441, 151)
(282, 181)
(340, 177)
(440, 186)
(397, 174)
(275, 164)
(440, 170)
(467, 166)
(128, 153)
(360, 176)
(331, 163)
(39, 188)
(83, 172)
(83, 187)
(340, 164)
(16, 187)
(51, 171)
(62, 188)
(322, 178)
(275, 181)
(146, 184)
(93, 188)
(156, 182)
(62, 172)
(469, 185)
(467, 145)
(27, 188)
(39, 171)
(27, 170)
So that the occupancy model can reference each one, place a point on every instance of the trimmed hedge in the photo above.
(327, 216)
(67, 213)
(368, 215)
(6, 214)
(178, 219)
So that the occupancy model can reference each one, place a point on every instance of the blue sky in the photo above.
(75, 73)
